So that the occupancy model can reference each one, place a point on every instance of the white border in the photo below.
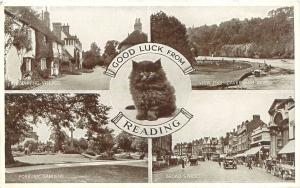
(150, 3)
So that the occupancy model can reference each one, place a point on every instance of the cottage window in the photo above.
(44, 40)
(28, 33)
(43, 64)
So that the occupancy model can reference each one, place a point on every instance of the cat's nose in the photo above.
(144, 77)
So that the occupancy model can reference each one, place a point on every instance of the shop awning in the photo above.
(252, 151)
(288, 148)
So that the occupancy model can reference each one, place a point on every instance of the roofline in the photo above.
(26, 22)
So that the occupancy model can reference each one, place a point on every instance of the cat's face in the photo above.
(146, 71)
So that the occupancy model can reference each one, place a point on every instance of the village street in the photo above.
(86, 81)
(210, 171)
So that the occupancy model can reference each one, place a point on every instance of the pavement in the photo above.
(209, 171)
(86, 81)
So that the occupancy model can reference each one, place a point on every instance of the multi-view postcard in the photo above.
(150, 94)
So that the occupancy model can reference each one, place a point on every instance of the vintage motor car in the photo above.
(229, 162)
(173, 160)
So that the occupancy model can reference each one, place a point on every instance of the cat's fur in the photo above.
(153, 95)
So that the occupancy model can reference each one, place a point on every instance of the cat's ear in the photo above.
(134, 64)
(158, 63)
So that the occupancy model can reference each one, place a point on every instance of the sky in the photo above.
(100, 24)
(218, 112)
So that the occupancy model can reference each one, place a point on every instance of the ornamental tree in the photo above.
(22, 111)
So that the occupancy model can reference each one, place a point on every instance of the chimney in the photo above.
(65, 28)
(57, 29)
(138, 25)
(256, 117)
(46, 18)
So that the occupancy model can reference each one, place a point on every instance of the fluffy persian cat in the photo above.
(152, 94)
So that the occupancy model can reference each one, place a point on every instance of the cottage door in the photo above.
(52, 68)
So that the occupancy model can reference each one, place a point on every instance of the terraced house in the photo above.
(72, 51)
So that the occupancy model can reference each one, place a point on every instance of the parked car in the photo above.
(173, 160)
(229, 162)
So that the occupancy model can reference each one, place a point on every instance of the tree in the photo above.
(83, 144)
(110, 51)
(58, 136)
(83, 111)
(92, 57)
(140, 144)
(103, 142)
(170, 31)
(124, 141)
(268, 37)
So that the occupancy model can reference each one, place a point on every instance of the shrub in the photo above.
(8, 85)
(44, 73)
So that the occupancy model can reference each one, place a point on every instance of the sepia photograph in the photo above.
(67, 48)
(235, 137)
(232, 47)
(68, 138)
(141, 93)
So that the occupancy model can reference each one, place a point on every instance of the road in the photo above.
(86, 81)
(208, 172)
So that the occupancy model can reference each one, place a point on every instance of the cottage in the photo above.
(30, 54)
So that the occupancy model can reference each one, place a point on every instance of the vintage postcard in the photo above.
(149, 93)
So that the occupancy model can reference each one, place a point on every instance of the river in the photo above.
(281, 77)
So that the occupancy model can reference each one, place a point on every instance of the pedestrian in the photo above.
(250, 164)
(182, 162)
(220, 163)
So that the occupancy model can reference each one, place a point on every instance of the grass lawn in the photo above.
(87, 174)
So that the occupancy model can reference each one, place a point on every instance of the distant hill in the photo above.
(270, 37)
